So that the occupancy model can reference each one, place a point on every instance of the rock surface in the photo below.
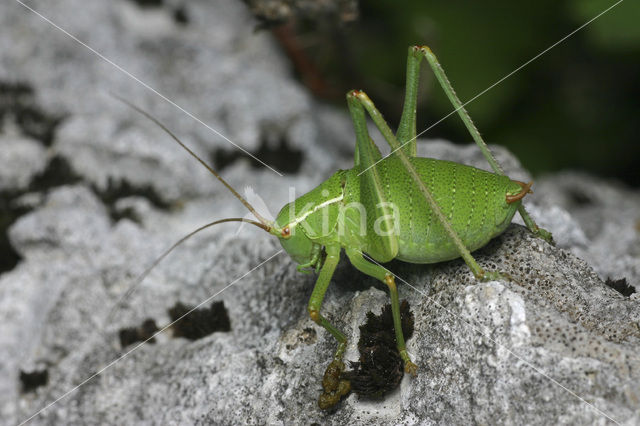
(554, 345)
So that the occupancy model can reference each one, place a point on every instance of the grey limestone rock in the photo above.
(22, 160)
(553, 345)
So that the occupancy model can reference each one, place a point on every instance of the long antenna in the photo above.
(155, 263)
(264, 221)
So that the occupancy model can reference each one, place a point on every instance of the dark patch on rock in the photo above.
(58, 172)
(621, 286)
(8, 214)
(199, 323)
(121, 189)
(126, 213)
(33, 380)
(142, 333)
(579, 198)
(148, 3)
(180, 15)
(17, 103)
(283, 158)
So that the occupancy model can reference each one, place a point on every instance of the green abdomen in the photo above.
(473, 200)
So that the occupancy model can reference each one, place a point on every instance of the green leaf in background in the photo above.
(617, 31)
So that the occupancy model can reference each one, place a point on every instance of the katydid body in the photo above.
(418, 210)
(473, 200)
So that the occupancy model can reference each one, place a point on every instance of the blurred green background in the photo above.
(577, 106)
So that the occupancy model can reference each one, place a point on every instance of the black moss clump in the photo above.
(380, 368)
(201, 322)
(142, 333)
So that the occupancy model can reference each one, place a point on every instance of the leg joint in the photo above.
(421, 49)
(390, 281)
(315, 315)
(360, 96)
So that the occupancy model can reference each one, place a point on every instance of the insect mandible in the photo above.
(414, 209)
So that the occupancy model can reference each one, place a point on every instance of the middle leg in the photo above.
(386, 277)
(334, 386)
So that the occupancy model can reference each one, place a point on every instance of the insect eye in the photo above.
(286, 232)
